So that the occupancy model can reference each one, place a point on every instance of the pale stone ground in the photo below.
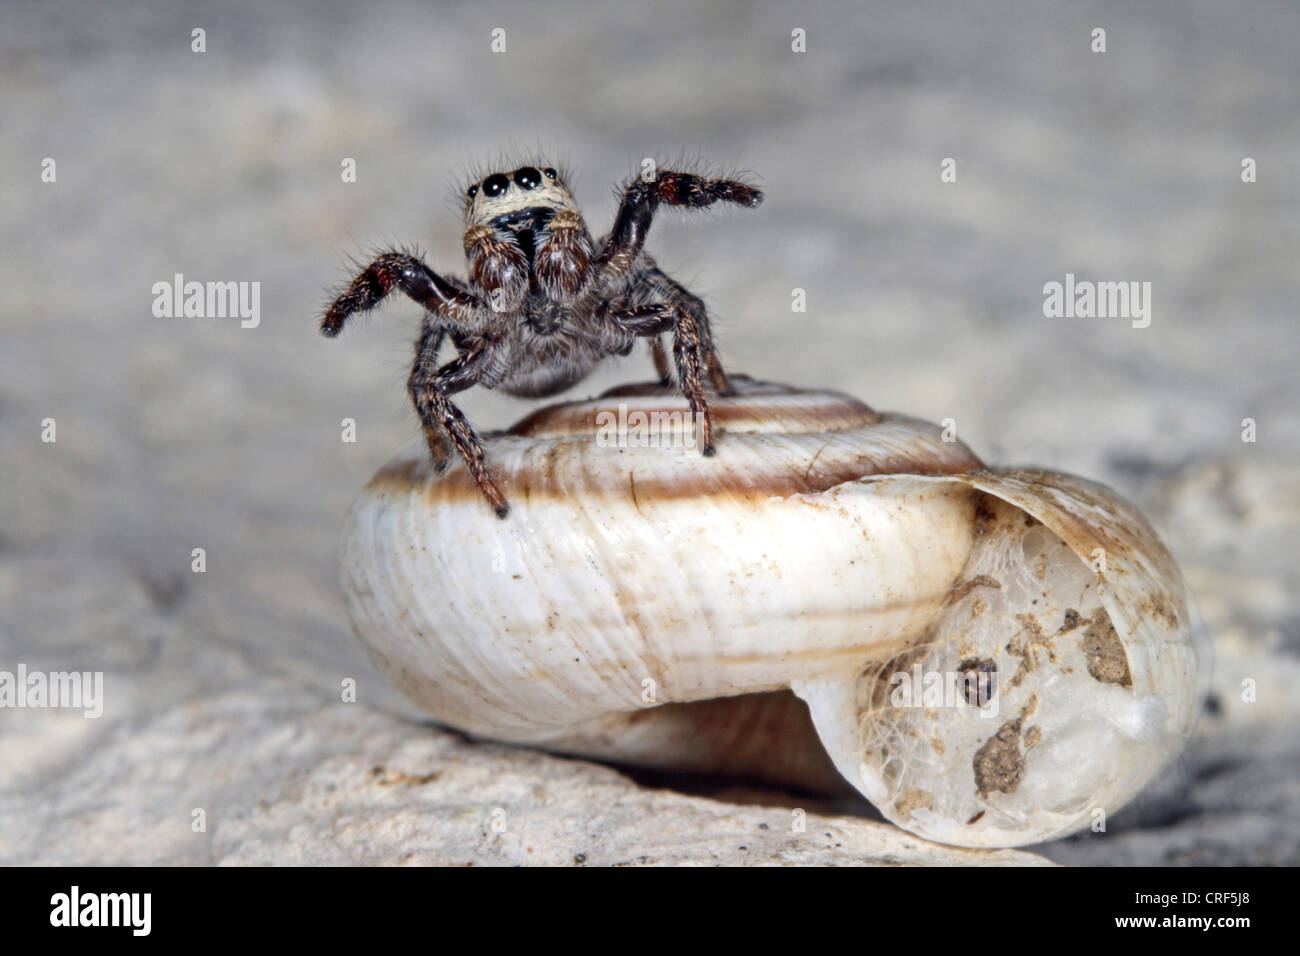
(222, 688)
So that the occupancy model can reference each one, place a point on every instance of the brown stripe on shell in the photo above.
(552, 454)
(752, 407)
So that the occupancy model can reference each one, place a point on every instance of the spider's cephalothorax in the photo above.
(543, 303)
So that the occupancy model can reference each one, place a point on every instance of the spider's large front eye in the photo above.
(495, 185)
(527, 177)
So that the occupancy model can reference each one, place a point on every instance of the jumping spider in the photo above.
(543, 304)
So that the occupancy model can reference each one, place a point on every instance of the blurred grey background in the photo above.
(175, 433)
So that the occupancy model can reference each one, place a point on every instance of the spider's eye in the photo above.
(495, 185)
(472, 191)
(527, 177)
(550, 173)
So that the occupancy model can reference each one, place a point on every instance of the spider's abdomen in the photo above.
(561, 366)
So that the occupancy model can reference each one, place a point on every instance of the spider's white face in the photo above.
(503, 194)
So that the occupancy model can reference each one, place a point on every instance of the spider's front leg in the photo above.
(403, 271)
(653, 320)
(640, 200)
(430, 392)
(626, 240)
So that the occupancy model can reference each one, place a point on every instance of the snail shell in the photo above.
(648, 605)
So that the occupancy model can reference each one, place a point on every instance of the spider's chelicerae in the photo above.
(543, 303)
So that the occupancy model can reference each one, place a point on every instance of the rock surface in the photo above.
(223, 688)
